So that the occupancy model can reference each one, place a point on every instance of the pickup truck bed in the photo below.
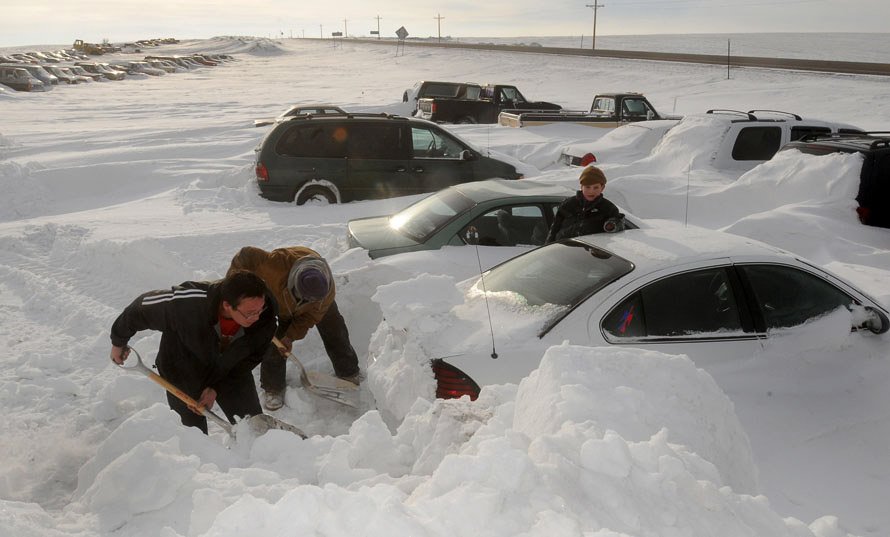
(527, 118)
(608, 110)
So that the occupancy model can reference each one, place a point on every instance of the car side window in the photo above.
(690, 304)
(757, 143)
(314, 141)
(604, 104)
(634, 108)
(375, 141)
(484, 230)
(787, 296)
(799, 131)
(510, 226)
(429, 143)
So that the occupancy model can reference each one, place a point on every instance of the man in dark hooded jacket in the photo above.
(587, 211)
(213, 334)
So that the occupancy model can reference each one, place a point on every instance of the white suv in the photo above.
(728, 140)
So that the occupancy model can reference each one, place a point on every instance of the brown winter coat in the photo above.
(274, 267)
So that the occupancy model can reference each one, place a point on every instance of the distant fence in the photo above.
(823, 66)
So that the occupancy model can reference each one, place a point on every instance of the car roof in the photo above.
(350, 116)
(491, 189)
(844, 142)
(766, 116)
(656, 248)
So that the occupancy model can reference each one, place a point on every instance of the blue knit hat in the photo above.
(309, 280)
(312, 284)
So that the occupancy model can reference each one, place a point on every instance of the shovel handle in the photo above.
(179, 394)
(304, 377)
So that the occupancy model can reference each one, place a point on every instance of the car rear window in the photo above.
(562, 274)
(442, 90)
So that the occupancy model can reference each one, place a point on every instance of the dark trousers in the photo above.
(236, 396)
(335, 337)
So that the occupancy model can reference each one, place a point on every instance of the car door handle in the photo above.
(400, 168)
(419, 169)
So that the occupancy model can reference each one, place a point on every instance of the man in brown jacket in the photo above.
(302, 284)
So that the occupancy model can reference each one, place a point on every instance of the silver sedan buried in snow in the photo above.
(495, 212)
(713, 296)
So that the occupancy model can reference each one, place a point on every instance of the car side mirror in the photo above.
(876, 321)
(468, 155)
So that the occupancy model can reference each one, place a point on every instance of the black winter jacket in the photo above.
(188, 317)
(576, 216)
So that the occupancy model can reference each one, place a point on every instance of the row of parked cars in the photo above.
(40, 71)
(329, 155)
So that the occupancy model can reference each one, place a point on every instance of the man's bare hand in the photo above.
(284, 345)
(207, 399)
(119, 354)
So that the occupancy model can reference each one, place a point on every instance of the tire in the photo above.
(316, 195)
(466, 120)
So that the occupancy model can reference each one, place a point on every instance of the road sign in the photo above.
(402, 32)
(336, 34)
(374, 32)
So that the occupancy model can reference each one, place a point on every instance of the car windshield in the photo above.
(562, 274)
(420, 220)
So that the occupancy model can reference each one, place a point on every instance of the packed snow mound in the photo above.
(639, 478)
(607, 386)
(713, 200)
(573, 384)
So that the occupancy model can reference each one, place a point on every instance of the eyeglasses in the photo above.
(254, 315)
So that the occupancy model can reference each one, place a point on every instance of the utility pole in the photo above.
(378, 26)
(321, 31)
(594, 6)
(345, 31)
(439, 18)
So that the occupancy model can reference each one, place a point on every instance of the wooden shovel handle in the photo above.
(179, 394)
(282, 348)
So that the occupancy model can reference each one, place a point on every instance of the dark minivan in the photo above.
(337, 158)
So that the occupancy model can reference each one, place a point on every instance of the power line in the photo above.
(594, 6)
(439, 18)
(706, 3)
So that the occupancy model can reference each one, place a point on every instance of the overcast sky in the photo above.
(63, 21)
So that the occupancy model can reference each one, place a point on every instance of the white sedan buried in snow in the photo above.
(713, 296)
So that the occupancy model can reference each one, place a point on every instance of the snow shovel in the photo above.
(324, 386)
(259, 424)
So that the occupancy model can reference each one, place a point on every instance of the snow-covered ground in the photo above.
(111, 189)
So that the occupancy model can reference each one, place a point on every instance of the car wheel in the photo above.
(466, 120)
(316, 195)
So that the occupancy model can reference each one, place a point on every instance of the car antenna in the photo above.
(475, 236)
(686, 216)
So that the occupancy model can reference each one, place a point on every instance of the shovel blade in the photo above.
(262, 423)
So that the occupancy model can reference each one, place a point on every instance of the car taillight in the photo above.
(864, 213)
(452, 383)
(588, 159)
(262, 174)
(432, 108)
